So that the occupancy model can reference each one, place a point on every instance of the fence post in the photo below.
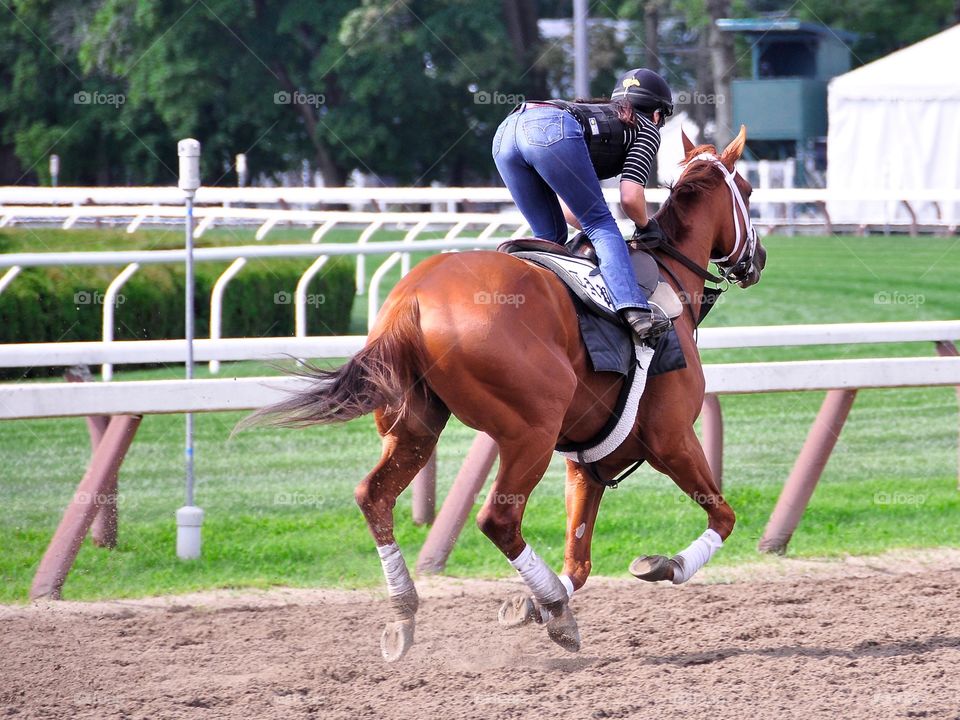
(711, 426)
(76, 520)
(104, 528)
(456, 508)
(806, 472)
(946, 348)
(425, 492)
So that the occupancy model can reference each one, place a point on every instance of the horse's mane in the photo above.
(697, 180)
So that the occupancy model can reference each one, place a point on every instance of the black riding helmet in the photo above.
(645, 90)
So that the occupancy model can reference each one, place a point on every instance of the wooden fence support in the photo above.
(948, 349)
(425, 492)
(456, 508)
(807, 469)
(104, 529)
(86, 502)
(711, 427)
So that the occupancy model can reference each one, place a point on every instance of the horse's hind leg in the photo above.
(407, 444)
(683, 460)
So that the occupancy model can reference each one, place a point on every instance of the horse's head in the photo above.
(736, 249)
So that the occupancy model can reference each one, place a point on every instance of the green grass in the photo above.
(279, 505)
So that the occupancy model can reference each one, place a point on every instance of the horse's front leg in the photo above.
(583, 497)
(522, 463)
(681, 457)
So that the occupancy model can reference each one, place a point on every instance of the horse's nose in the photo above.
(761, 257)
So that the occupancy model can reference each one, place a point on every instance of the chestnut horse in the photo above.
(495, 341)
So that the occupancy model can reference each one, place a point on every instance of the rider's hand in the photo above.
(648, 232)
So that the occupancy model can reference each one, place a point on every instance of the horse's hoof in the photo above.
(563, 630)
(653, 568)
(396, 639)
(518, 610)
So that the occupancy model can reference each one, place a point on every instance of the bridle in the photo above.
(746, 240)
(744, 246)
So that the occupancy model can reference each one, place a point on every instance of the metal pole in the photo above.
(189, 517)
(188, 325)
(581, 69)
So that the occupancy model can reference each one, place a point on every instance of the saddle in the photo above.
(610, 343)
(575, 264)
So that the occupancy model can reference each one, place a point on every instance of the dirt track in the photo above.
(842, 641)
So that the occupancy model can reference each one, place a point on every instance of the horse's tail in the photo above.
(381, 376)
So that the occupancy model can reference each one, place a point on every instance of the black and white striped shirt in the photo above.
(642, 142)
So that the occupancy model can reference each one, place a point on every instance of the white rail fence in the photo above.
(36, 400)
(266, 207)
(397, 251)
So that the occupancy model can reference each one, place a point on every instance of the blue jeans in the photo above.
(540, 153)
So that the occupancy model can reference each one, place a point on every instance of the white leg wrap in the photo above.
(395, 569)
(567, 585)
(542, 581)
(697, 555)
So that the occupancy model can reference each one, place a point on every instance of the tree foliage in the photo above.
(408, 91)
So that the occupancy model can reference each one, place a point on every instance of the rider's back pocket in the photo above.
(543, 132)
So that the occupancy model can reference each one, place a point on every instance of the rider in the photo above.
(558, 148)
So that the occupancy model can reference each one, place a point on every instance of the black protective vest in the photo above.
(604, 133)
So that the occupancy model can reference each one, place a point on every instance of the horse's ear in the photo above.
(687, 144)
(734, 150)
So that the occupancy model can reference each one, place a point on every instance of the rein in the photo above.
(744, 258)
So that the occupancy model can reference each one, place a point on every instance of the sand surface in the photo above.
(860, 638)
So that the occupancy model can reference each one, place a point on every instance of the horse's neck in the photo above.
(696, 245)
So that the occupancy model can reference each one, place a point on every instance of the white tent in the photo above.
(894, 124)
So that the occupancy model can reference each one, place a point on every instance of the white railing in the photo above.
(397, 251)
(32, 400)
(136, 207)
(22, 195)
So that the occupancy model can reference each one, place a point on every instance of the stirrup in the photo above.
(648, 324)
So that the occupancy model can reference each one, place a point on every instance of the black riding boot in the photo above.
(647, 323)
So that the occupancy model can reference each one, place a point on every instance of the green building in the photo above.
(784, 102)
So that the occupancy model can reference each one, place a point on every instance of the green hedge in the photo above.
(61, 304)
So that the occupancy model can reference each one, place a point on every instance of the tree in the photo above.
(722, 65)
(48, 104)
(882, 26)
(410, 90)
